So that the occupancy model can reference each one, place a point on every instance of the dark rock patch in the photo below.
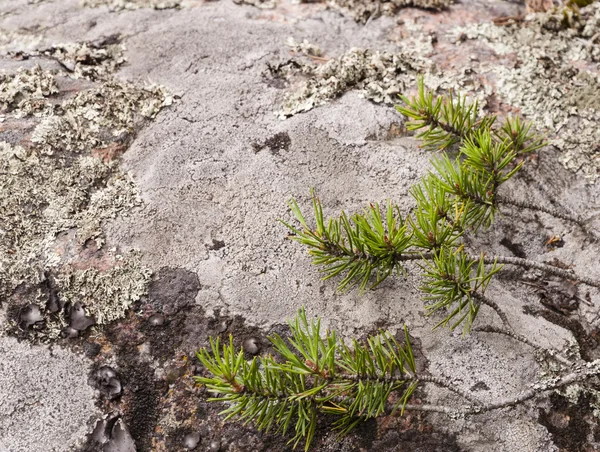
(173, 289)
(572, 426)
(281, 141)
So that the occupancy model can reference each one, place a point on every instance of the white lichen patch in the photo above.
(97, 116)
(304, 48)
(379, 76)
(88, 60)
(107, 295)
(24, 92)
(363, 10)
(65, 183)
(120, 5)
(19, 41)
(555, 81)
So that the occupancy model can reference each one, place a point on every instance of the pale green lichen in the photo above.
(363, 10)
(44, 195)
(88, 60)
(120, 5)
(555, 83)
(107, 295)
(65, 184)
(378, 76)
(25, 91)
(94, 117)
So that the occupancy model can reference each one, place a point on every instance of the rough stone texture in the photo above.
(213, 173)
(45, 400)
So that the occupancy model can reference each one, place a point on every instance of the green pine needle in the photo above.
(315, 374)
(364, 249)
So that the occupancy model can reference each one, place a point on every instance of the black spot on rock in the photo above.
(191, 440)
(79, 320)
(110, 434)
(54, 302)
(516, 248)
(279, 142)
(480, 386)
(252, 345)
(216, 245)
(30, 315)
(173, 289)
(91, 349)
(156, 320)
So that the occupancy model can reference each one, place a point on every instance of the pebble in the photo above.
(222, 326)
(252, 345)
(191, 440)
(156, 319)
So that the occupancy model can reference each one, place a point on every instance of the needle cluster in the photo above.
(315, 373)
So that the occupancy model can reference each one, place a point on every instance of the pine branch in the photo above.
(519, 337)
(316, 374)
(447, 120)
(450, 281)
(505, 199)
(361, 247)
(546, 268)
(492, 304)
(448, 385)
(578, 376)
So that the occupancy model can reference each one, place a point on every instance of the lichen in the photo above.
(107, 295)
(379, 76)
(58, 188)
(555, 81)
(89, 60)
(363, 10)
(261, 4)
(305, 47)
(120, 5)
(25, 91)
(97, 116)
(14, 41)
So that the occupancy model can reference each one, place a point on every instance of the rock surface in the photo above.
(168, 234)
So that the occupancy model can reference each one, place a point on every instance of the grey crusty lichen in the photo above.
(91, 60)
(60, 185)
(26, 90)
(379, 76)
(97, 116)
(120, 5)
(555, 82)
(363, 10)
